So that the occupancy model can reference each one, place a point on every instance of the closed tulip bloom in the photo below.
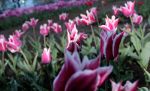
(109, 44)
(63, 16)
(33, 22)
(56, 28)
(3, 43)
(137, 19)
(44, 29)
(18, 33)
(128, 9)
(25, 26)
(74, 74)
(110, 25)
(78, 21)
(50, 22)
(46, 56)
(14, 44)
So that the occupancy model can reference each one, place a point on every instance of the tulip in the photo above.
(109, 44)
(56, 28)
(88, 19)
(33, 22)
(63, 16)
(44, 29)
(46, 56)
(116, 86)
(94, 10)
(70, 25)
(50, 22)
(131, 86)
(127, 87)
(78, 21)
(18, 33)
(25, 27)
(74, 37)
(115, 10)
(74, 74)
(110, 25)
(3, 43)
(128, 9)
(137, 19)
(14, 44)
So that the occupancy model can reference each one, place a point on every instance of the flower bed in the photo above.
(100, 58)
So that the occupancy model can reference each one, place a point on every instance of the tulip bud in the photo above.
(46, 56)
(2, 43)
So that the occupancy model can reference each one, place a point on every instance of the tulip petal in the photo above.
(68, 69)
(116, 86)
(79, 82)
(116, 43)
(104, 72)
(131, 86)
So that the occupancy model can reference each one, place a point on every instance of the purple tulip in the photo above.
(74, 74)
(109, 44)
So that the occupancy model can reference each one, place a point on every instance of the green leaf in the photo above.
(136, 42)
(145, 56)
(143, 89)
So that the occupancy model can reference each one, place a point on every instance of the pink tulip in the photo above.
(88, 19)
(44, 29)
(25, 27)
(127, 87)
(94, 10)
(56, 28)
(14, 44)
(18, 33)
(128, 9)
(111, 24)
(3, 43)
(50, 22)
(131, 86)
(46, 56)
(78, 21)
(70, 25)
(116, 86)
(137, 19)
(115, 10)
(33, 22)
(74, 37)
(74, 74)
(63, 16)
(109, 44)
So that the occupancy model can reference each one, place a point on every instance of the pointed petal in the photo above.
(79, 82)
(104, 72)
(131, 86)
(68, 69)
(116, 43)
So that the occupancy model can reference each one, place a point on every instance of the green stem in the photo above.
(132, 24)
(45, 41)
(25, 57)
(34, 33)
(93, 35)
(3, 57)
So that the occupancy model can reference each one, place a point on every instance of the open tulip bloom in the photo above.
(127, 87)
(77, 75)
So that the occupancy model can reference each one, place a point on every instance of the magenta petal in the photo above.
(116, 43)
(108, 49)
(104, 72)
(91, 64)
(69, 68)
(131, 86)
(104, 27)
(116, 86)
(79, 82)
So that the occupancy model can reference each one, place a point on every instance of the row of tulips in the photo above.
(49, 7)
(76, 74)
